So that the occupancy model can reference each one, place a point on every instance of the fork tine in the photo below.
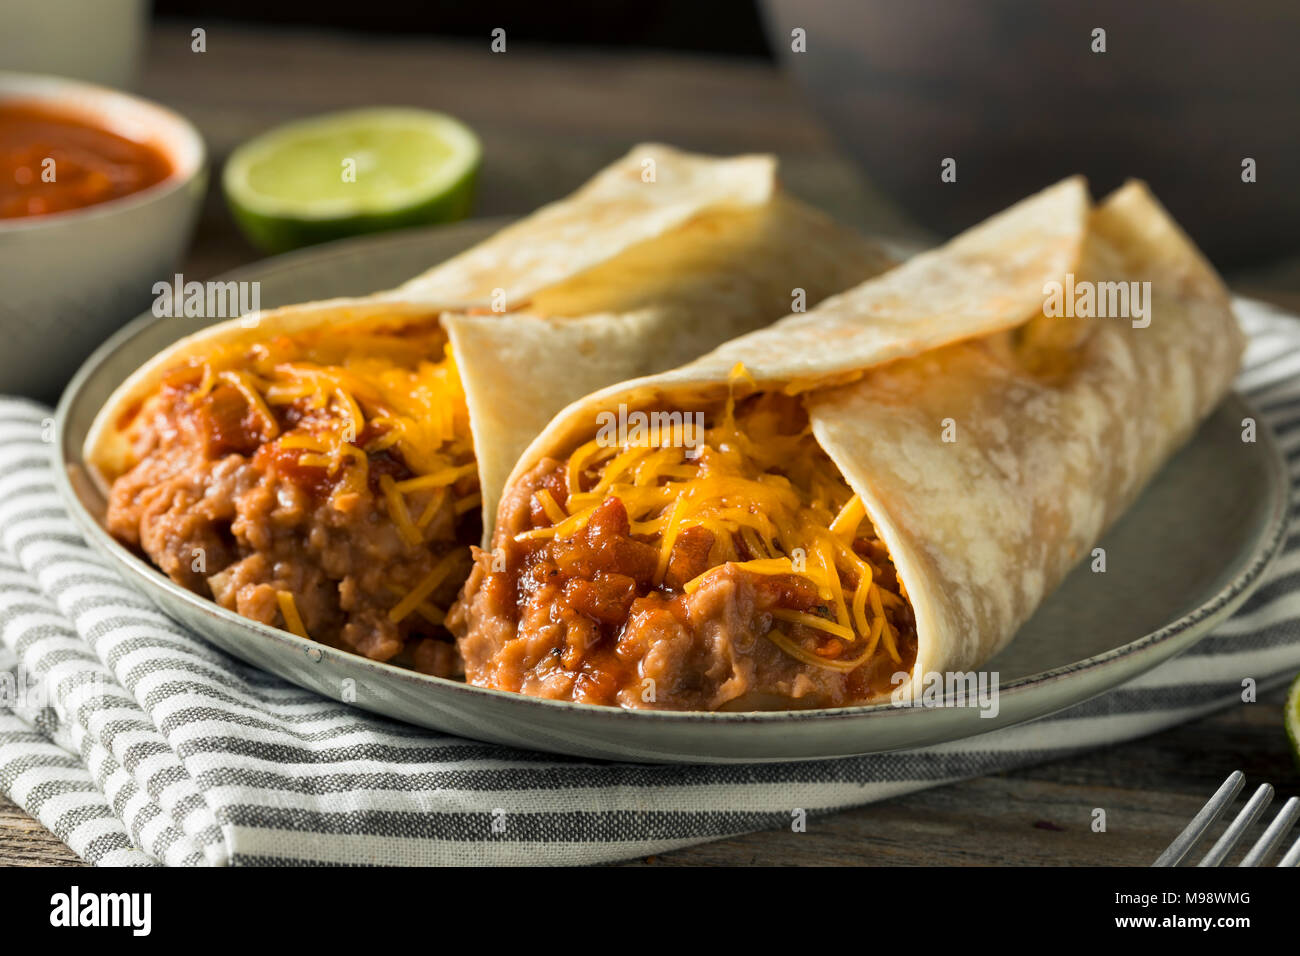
(1203, 820)
(1248, 815)
(1292, 857)
(1267, 844)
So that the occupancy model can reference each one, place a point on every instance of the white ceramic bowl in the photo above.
(69, 279)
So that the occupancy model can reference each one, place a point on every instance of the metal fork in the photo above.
(1264, 847)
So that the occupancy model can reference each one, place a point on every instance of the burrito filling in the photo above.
(323, 483)
(739, 571)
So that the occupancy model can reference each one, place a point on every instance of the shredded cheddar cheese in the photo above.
(397, 510)
(800, 654)
(813, 621)
(550, 506)
(340, 399)
(289, 609)
(850, 517)
(775, 503)
(415, 597)
(438, 479)
(244, 382)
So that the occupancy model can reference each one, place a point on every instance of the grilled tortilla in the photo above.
(823, 512)
(323, 467)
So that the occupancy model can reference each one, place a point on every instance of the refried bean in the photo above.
(583, 617)
(231, 514)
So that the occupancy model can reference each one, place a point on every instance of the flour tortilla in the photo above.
(984, 528)
(1059, 423)
(987, 279)
(625, 276)
(649, 310)
(646, 195)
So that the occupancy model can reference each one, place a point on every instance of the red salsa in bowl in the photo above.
(51, 162)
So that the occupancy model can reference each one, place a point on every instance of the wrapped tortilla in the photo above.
(826, 511)
(322, 467)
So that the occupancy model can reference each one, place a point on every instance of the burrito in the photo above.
(323, 468)
(824, 512)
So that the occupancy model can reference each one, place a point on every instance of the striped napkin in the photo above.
(136, 742)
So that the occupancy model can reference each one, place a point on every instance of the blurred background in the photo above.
(1016, 91)
(881, 92)
(718, 26)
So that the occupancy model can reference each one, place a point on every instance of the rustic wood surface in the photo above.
(548, 118)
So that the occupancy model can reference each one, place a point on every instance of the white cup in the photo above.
(95, 40)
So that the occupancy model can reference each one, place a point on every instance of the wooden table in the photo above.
(548, 118)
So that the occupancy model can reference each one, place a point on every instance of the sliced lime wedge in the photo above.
(1291, 717)
(348, 173)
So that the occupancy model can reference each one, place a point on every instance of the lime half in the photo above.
(1291, 716)
(348, 173)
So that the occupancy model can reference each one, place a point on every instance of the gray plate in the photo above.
(1182, 559)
